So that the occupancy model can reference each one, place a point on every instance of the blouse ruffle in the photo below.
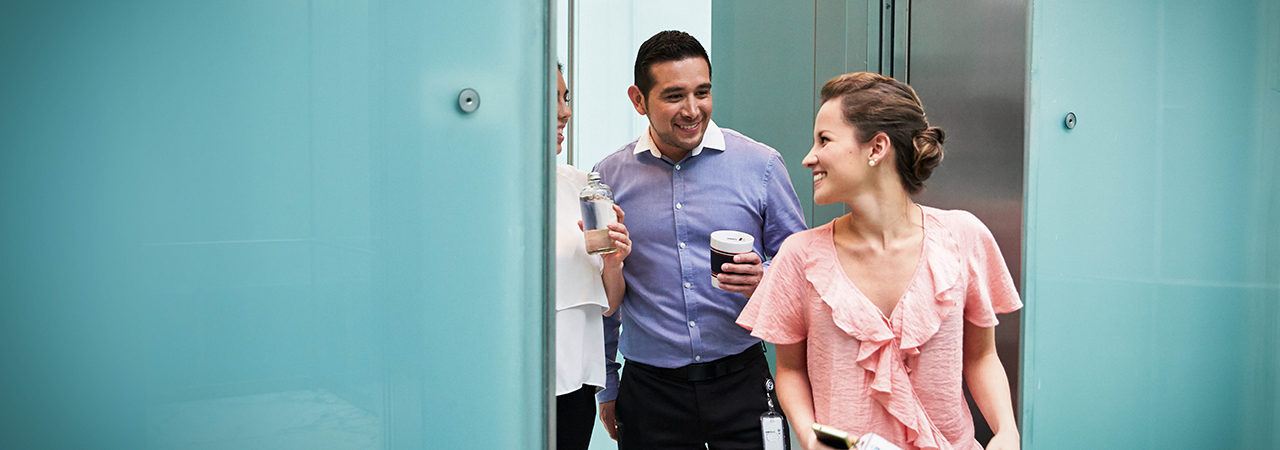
(960, 266)
(927, 301)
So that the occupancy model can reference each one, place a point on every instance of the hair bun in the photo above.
(873, 103)
(928, 143)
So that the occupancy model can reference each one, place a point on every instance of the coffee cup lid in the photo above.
(730, 241)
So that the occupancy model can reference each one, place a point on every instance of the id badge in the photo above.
(775, 437)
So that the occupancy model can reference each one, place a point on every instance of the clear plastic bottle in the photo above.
(597, 214)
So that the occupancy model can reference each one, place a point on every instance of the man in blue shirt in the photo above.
(694, 378)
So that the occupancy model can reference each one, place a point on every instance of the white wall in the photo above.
(608, 34)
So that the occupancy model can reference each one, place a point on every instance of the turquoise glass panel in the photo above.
(1100, 410)
(1150, 227)
(268, 225)
(773, 78)
(770, 102)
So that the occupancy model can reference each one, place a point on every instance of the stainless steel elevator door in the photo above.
(968, 65)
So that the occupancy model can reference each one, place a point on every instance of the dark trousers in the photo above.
(575, 418)
(658, 411)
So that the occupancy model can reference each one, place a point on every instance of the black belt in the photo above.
(707, 370)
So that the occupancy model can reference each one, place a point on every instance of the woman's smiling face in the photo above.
(562, 112)
(837, 159)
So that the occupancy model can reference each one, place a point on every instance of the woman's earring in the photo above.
(872, 163)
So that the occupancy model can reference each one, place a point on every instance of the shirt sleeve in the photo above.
(990, 290)
(782, 213)
(611, 365)
(612, 326)
(778, 310)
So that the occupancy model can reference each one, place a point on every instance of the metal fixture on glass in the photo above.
(468, 100)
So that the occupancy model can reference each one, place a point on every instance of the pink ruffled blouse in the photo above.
(899, 377)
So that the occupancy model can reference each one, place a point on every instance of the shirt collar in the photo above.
(712, 139)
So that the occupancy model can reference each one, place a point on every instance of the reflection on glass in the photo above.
(304, 419)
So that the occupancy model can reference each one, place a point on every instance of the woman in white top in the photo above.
(586, 287)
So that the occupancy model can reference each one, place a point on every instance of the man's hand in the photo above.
(608, 420)
(743, 275)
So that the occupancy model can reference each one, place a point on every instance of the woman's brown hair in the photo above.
(874, 103)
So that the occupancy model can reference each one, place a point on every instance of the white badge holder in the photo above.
(772, 425)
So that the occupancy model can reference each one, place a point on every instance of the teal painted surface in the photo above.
(266, 225)
(1151, 228)
(842, 44)
(763, 79)
(769, 82)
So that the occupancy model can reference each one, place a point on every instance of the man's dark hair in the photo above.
(670, 45)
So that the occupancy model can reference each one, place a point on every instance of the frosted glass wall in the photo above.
(267, 224)
(1151, 229)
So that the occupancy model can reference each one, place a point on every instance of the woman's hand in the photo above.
(1004, 441)
(810, 441)
(621, 239)
(615, 286)
(989, 385)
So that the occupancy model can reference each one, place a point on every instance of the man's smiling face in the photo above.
(679, 105)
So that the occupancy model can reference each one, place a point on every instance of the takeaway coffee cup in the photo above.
(724, 245)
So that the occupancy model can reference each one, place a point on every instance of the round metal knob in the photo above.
(1071, 120)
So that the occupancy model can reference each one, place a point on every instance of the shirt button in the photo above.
(681, 245)
(677, 167)
(692, 324)
(697, 358)
(686, 285)
(678, 206)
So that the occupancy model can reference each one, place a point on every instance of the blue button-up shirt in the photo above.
(673, 316)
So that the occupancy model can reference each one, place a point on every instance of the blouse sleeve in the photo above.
(990, 290)
(778, 310)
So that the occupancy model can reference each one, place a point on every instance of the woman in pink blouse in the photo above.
(879, 315)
